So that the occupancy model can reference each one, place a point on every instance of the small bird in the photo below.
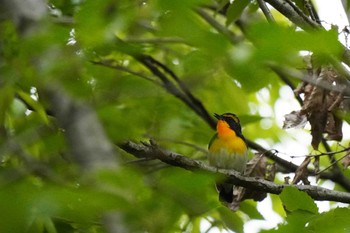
(227, 150)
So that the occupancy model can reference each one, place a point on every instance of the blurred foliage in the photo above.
(42, 191)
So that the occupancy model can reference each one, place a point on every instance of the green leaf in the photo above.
(231, 219)
(290, 42)
(250, 79)
(277, 205)
(196, 225)
(294, 199)
(6, 98)
(42, 224)
(294, 223)
(193, 191)
(302, 6)
(235, 10)
(322, 222)
(247, 119)
(35, 105)
(249, 208)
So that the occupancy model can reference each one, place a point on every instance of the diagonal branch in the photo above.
(293, 13)
(264, 8)
(187, 96)
(312, 11)
(89, 145)
(169, 80)
(152, 151)
(231, 36)
(109, 63)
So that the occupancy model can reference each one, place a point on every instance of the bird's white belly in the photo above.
(224, 159)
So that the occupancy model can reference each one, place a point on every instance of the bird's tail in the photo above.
(225, 192)
(230, 195)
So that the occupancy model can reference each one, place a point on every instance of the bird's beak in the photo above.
(217, 116)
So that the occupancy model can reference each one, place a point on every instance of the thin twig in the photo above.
(312, 11)
(107, 63)
(234, 39)
(293, 13)
(322, 153)
(297, 10)
(332, 164)
(286, 80)
(266, 11)
(160, 40)
(294, 73)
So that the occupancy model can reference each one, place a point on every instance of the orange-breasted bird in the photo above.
(227, 150)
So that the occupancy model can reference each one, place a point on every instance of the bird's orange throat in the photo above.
(224, 129)
(228, 139)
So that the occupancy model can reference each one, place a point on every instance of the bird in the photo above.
(227, 150)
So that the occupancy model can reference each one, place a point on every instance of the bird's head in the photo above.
(228, 122)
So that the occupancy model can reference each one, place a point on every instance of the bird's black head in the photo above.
(232, 120)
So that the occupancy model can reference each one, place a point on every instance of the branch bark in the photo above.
(152, 151)
(90, 147)
(298, 18)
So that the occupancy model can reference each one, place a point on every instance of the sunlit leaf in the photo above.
(320, 223)
(231, 219)
(6, 98)
(192, 191)
(35, 105)
(250, 208)
(290, 42)
(247, 119)
(293, 200)
(235, 10)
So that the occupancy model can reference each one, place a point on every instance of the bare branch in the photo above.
(152, 151)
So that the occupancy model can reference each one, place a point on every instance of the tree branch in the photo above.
(233, 38)
(289, 10)
(169, 79)
(266, 11)
(109, 63)
(152, 151)
(90, 147)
